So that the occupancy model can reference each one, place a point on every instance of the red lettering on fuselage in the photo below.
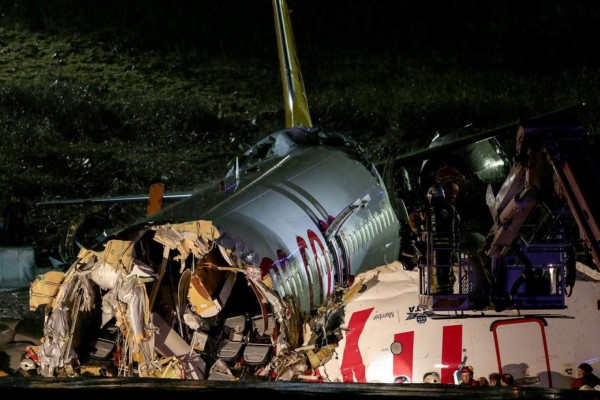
(317, 247)
(353, 367)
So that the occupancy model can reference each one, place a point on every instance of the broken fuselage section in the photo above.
(243, 280)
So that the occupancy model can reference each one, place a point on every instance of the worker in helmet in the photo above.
(436, 227)
(442, 225)
(466, 377)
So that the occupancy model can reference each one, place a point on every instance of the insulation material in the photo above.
(74, 296)
(132, 293)
(56, 332)
(44, 289)
(168, 236)
(203, 228)
(109, 307)
(185, 243)
(195, 238)
(118, 253)
(104, 275)
(133, 319)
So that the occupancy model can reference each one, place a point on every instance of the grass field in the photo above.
(92, 109)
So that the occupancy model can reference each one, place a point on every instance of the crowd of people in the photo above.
(493, 379)
(586, 380)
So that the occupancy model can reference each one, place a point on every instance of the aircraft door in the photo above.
(342, 265)
(522, 351)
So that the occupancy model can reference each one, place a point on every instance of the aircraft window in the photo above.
(388, 217)
(353, 245)
(385, 221)
(296, 279)
(315, 286)
(374, 224)
(278, 283)
(325, 272)
(357, 239)
(378, 219)
(330, 265)
(369, 229)
(363, 236)
(347, 242)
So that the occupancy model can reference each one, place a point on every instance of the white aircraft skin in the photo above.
(386, 319)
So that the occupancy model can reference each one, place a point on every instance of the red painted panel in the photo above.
(403, 362)
(451, 351)
(302, 246)
(265, 266)
(353, 367)
(313, 238)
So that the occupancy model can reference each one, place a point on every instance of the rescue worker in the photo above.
(436, 227)
(442, 226)
(466, 377)
(585, 377)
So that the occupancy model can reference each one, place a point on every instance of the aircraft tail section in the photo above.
(294, 95)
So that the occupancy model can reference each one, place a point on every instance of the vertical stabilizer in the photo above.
(294, 95)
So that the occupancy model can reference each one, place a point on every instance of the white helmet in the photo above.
(431, 377)
(27, 364)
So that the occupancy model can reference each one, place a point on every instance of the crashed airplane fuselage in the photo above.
(239, 267)
(290, 225)
(288, 269)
